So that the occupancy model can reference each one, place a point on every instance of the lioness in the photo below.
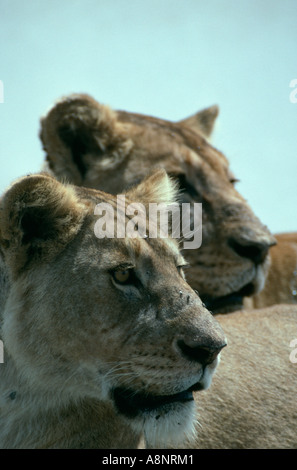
(91, 145)
(104, 340)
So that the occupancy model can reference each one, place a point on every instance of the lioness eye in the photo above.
(122, 276)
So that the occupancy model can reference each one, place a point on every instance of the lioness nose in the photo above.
(200, 352)
(254, 250)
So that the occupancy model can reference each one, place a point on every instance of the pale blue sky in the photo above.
(166, 58)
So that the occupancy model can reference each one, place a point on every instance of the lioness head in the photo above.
(109, 319)
(88, 144)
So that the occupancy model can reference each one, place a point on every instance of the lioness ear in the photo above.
(203, 121)
(79, 133)
(158, 187)
(38, 216)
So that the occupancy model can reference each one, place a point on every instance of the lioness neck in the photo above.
(31, 419)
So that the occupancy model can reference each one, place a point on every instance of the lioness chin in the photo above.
(105, 342)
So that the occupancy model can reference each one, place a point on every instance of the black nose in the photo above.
(200, 352)
(253, 250)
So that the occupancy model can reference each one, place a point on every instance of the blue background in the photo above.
(167, 58)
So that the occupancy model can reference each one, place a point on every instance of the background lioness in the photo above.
(88, 144)
(104, 339)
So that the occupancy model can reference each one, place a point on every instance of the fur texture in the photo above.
(281, 283)
(252, 401)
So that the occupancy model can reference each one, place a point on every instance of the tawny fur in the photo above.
(281, 283)
(252, 400)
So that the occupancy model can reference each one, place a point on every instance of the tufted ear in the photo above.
(203, 121)
(78, 133)
(155, 199)
(157, 188)
(38, 216)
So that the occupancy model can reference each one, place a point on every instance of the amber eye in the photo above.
(122, 276)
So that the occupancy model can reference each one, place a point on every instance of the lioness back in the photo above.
(252, 401)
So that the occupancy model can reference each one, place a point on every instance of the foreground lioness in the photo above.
(104, 340)
(88, 144)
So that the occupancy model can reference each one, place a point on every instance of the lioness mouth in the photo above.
(230, 302)
(131, 403)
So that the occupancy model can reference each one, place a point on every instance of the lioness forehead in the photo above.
(173, 138)
(138, 252)
(159, 248)
(133, 250)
